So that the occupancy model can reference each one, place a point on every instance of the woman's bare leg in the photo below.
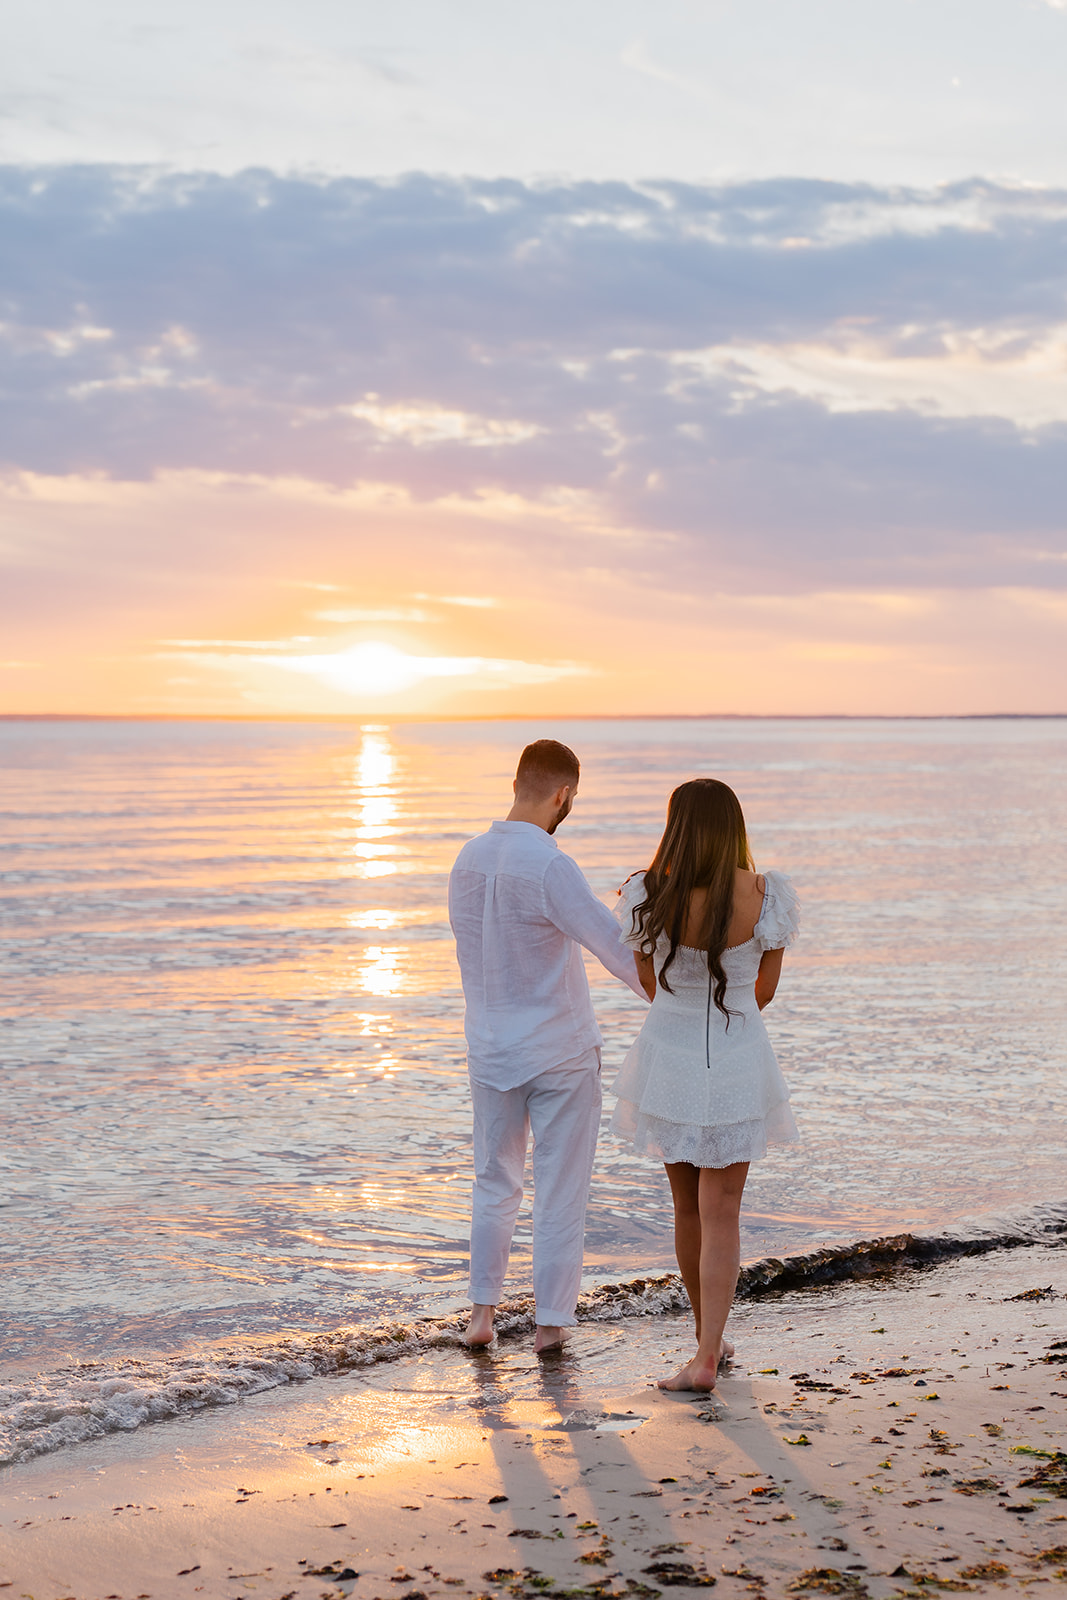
(720, 1191)
(685, 1192)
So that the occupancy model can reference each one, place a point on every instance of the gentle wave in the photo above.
(89, 1400)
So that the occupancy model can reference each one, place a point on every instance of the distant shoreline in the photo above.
(536, 716)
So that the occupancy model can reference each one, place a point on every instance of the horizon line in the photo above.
(534, 716)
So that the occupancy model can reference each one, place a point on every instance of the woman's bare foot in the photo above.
(692, 1376)
(697, 1374)
(480, 1327)
(548, 1338)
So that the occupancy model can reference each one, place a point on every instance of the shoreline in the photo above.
(77, 1402)
(877, 1437)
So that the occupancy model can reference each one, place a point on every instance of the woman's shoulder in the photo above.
(777, 882)
(779, 920)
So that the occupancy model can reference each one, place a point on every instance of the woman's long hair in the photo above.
(703, 844)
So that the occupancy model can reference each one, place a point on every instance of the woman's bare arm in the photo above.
(770, 970)
(646, 972)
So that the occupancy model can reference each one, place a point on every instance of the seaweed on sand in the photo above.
(828, 1580)
(1050, 1477)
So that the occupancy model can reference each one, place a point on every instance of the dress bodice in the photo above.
(776, 929)
(689, 977)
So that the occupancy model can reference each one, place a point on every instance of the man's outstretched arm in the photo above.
(576, 911)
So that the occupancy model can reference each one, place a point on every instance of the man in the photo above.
(519, 910)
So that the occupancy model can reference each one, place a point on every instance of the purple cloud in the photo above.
(459, 337)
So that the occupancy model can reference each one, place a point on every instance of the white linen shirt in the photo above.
(519, 909)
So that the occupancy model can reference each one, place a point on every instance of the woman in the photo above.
(700, 1088)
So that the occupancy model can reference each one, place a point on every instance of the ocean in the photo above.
(231, 1056)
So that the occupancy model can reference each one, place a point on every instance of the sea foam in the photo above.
(84, 1401)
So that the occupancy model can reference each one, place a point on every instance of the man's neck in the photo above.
(534, 814)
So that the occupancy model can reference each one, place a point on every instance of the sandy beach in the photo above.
(893, 1436)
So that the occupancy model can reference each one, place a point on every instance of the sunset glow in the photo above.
(374, 672)
(406, 412)
(314, 416)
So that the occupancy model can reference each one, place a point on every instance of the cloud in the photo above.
(371, 673)
(373, 614)
(635, 56)
(840, 384)
(372, 670)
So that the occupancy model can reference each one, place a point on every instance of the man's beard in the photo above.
(564, 811)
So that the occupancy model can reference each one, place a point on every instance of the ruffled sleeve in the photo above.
(779, 921)
(631, 894)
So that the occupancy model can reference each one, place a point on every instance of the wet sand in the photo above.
(897, 1436)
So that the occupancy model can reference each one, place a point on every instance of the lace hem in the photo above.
(719, 1146)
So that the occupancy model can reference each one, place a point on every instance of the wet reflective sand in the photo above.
(904, 1429)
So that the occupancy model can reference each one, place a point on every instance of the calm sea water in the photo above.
(232, 1073)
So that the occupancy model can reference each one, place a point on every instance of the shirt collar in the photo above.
(525, 827)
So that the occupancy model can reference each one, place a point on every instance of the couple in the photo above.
(701, 936)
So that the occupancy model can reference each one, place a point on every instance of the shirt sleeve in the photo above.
(575, 910)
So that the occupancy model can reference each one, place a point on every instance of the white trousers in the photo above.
(561, 1108)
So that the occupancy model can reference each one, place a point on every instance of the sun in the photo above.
(372, 669)
(375, 670)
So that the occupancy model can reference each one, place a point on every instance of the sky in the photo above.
(477, 359)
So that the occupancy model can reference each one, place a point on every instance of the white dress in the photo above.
(691, 1088)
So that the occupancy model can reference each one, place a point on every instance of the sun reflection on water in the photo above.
(378, 918)
(380, 974)
(375, 760)
(372, 1026)
(375, 808)
(375, 811)
(376, 1196)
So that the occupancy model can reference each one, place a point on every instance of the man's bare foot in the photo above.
(480, 1327)
(548, 1338)
(726, 1351)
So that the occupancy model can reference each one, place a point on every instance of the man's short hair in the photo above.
(545, 766)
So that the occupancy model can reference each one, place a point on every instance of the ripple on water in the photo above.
(232, 1061)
